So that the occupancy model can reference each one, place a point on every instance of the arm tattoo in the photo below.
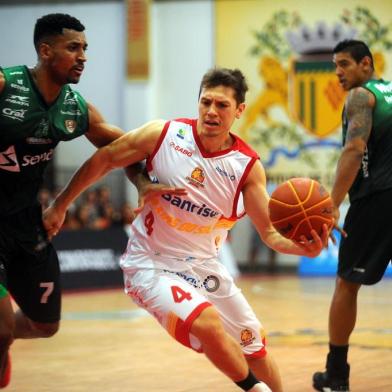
(359, 112)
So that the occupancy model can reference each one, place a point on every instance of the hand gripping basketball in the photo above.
(299, 205)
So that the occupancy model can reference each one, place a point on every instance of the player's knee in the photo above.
(208, 325)
(346, 286)
(7, 326)
(46, 330)
(6, 336)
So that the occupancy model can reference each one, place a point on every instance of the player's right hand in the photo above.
(151, 190)
(335, 226)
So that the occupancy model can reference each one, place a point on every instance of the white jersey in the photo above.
(195, 225)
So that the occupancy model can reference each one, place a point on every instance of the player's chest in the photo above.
(183, 165)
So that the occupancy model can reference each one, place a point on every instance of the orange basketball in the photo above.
(299, 205)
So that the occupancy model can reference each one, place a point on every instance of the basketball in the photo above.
(299, 205)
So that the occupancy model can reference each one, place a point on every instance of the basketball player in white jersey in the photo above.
(170, 264)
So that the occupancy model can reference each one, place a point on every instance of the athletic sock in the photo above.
(260, 387)
(337, 365)
(248, 382)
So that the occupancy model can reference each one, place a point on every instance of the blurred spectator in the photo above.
(103, 198)
(108, 216)
(85, 217)
(90, 199)
(96, 211)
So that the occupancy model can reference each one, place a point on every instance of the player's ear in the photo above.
(44, 50)
(240, 109)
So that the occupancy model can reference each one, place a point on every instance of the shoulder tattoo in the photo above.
(359, 112)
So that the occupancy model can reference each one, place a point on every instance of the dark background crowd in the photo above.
(93, 210)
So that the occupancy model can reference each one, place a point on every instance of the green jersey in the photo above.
(29, 132)
(376, 171)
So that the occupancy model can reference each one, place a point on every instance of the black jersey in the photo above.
(29, 132)
(376, 171)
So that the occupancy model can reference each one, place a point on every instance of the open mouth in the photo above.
(210, 123)
(78, 69)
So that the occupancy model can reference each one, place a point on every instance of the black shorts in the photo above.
(366, 252)
(29, 267)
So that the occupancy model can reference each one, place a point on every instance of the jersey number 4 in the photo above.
(179, 294)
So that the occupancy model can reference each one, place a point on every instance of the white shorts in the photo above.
(176, 298)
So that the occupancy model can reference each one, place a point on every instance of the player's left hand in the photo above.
(312, 247)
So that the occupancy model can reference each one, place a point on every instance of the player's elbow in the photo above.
(104, 158)
(354, 151)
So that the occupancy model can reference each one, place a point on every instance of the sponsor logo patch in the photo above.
(14, 114)
(18, 100)
(181, 149)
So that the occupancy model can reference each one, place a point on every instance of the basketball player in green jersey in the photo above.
(364, 171)
(38, 109)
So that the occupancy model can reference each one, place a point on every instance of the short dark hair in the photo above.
(357, 49)
(233, 78)
(53, 24)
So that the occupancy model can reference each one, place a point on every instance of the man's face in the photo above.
(350, 73)
(217, 110)
(65, 56)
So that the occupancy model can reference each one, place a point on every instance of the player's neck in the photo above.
(46, 86)
(217, 143)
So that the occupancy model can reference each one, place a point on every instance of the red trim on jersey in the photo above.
(240, 185)
(245, 147)
(183, 328)
(238, 145)
(258, 354)
(159, 143)
(188, 121)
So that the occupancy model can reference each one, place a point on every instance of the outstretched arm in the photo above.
(256, 200)
(132, 147)
(101, 133)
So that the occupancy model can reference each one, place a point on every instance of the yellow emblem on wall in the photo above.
(315, 96)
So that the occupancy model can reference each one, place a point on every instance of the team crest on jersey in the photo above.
(70, 125)
(197, 177)
(247, 337)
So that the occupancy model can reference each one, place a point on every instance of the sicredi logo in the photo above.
(31, 160)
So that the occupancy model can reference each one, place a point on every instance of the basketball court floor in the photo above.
(107, 344)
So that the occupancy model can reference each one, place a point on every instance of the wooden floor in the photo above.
(107, 344)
